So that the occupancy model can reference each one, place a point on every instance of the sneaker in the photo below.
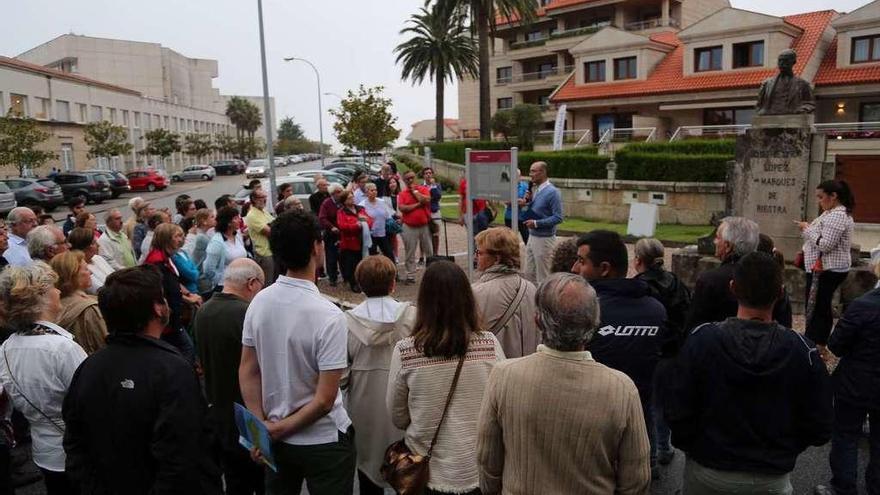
(664, 457)
(421, 262)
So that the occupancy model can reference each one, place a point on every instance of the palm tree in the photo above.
(441, 49)
(482, 15)
(246, 118)
(235, 111)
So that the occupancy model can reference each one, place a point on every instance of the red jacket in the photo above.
(350, 230)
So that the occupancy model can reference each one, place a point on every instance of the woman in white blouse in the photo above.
(37, 363)
(827, 259)
(81, 239)
(225, 246)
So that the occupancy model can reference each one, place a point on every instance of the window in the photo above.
(504, 103)
(125, 118)
(147, 121)
(624, 68)
(18, 105)
(706, 59)
(544, 100)
(594, 71)
(62, 110)
(97, 114)
(546, 69)
(66, 158)
(866, 49)
(870, 112)
(534, 36)
(82, 112)
(137, 119)
(503, 75)
(748, 54)
(2, 111)
(44, 108)
(112, 115)
(728, 116)
(156, 122)
(167, 120)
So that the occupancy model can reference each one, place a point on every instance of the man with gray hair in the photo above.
(218, 328)
(559, 403)
(21, 221)
(713, 300)
(45, 241)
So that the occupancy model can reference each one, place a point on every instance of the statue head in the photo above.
(787, 59)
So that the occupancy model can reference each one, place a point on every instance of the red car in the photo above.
(149, 180)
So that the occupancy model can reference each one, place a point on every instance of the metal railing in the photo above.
(849, 130)
(570, 139)
(650, 24)
(541, 75)
(581, 31)
(517, 45)
(628, 134)
(692, 131)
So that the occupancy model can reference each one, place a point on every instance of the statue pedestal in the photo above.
(769, 179)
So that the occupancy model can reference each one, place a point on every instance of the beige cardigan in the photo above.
(494, 293)
(417, 390)
(561, 423)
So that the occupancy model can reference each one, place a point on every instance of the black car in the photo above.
(93, 186)
(229, 167)
(118, 181)
(36, 192)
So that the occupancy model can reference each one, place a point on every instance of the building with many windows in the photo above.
(73, 80)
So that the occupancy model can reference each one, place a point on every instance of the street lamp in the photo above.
(333, 94)
(320, 111)
(266, 115)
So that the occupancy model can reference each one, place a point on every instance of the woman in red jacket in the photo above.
(350, 220)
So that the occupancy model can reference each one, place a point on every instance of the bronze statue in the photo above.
(785, 93)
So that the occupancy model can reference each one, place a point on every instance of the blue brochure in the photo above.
(253, 434)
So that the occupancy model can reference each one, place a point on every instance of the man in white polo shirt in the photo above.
(293, 356)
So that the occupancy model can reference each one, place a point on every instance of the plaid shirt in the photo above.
(830, 236)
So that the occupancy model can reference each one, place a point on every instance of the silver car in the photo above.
(194, 172)
(7, 199)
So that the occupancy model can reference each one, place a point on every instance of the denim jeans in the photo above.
(328, 468)
(331, 257)
(844, 457)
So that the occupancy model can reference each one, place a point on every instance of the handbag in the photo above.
(406, 471)
(392, 226)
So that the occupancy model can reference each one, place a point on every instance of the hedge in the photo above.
(669, 167)
(567, 164)
(687, 147)
(453, 151)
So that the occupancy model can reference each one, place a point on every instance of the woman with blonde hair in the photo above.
(37, 363)
(437, 378)
(79, 311)
(505, 300)
(83, 240)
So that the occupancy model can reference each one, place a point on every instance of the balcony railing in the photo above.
(616, 135)
(849, 130)
(708, 131)
(540, 75)
(570, 139)
(651, 24)
(568, 33)
(519, 45)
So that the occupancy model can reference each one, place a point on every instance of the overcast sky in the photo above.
(350, 41)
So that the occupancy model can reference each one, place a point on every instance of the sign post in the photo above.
(491, 175)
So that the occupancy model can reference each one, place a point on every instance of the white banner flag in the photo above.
(559, 128)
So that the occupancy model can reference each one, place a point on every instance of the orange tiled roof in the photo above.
(501, 20)
(559, 4)
(668, 75)
(830, 75)
(39, 69)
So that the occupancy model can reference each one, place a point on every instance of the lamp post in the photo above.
(333, 94)
(267, 117)
(320, 111)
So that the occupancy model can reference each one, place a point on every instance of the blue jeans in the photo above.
(844, 457)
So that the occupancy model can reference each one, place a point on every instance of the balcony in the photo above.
(562, 41)
(548, 78)
(519, 45)
(849, 130)
(651, 24)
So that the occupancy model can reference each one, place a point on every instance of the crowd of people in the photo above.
(126, 348)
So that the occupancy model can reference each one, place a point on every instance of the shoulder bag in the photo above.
(406, 471)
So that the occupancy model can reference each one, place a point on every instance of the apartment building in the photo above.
(424, 131)
(73, 80)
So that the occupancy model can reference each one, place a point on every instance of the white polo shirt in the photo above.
(296, 334)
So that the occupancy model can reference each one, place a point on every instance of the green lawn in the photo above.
(675, 233)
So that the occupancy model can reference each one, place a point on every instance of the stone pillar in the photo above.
(664, 13)
(773, 177)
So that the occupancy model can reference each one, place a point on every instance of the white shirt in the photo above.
(43, 365)
(296, 334)
(235, 249)
(17, 252)
(145, 246)
(100, 270)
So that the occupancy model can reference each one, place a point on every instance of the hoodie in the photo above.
(748, 396)
(675, 297)
(374, 327)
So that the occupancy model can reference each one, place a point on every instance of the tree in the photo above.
(290, 130)
(246, 118)
(198, 145)
(161, 142)
(106, 140)
(483, 20)
(441, 49)
(18, 140)
(527, 122)
(226, 144)
(364, 120)
(503, 123)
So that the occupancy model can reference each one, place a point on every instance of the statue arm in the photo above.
(808, 103)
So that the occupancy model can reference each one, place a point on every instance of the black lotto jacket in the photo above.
(856, 340)
(748, 396)
(135, 421)
(714, 301)
(632, 331)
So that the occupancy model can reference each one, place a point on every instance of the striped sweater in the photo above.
(417, 390)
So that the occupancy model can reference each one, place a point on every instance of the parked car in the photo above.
(147, 180)
(257, 168)
(36, 192)
(117, 180)
(303, 187)
(92, 186)
(330, 175)
(228, 167)
(7, 199)
(194, 172)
